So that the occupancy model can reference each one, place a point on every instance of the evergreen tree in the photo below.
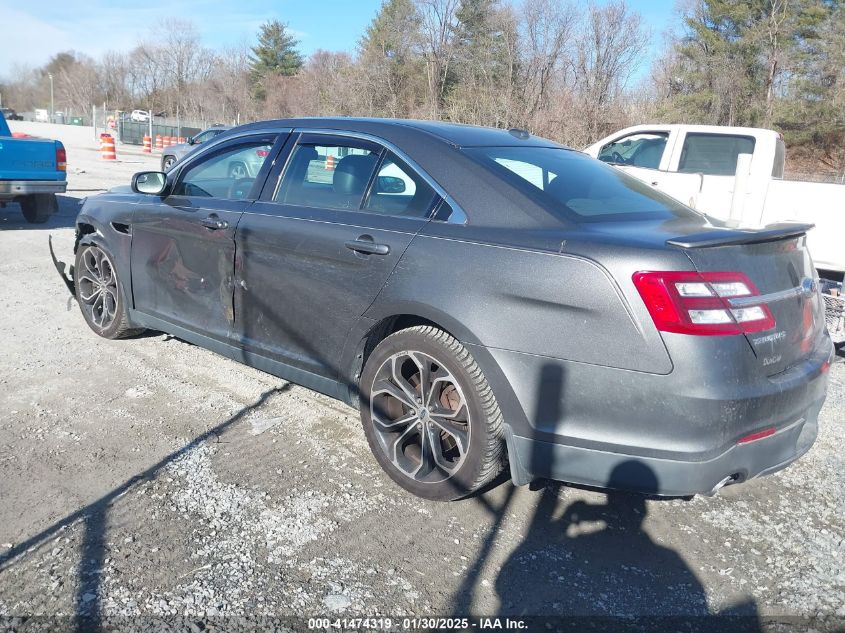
(480, 39)
(392, 68)
(736, 58)
(481, 83)
(813, 110)
(275, 54)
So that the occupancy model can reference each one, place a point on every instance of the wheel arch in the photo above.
(91, 230)
(377, 329)
(378, 324)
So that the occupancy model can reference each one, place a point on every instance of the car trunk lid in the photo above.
(777, 262)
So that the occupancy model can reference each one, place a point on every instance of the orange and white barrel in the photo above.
(148, 145)
(181, 139)
(107, 151)
(329, 163)
(159, 142)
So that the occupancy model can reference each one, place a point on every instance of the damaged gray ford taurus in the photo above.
(487, 298)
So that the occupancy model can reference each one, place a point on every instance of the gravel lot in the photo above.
(151, 477)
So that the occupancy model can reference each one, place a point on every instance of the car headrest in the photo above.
(353, 173)
(568, 187)
(303, 157)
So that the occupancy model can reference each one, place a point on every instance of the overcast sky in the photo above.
(31, 32)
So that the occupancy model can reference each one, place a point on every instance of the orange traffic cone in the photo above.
(159, 142)
(329, 163)
(148, 145)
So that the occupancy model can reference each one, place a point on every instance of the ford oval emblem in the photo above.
(808, 286)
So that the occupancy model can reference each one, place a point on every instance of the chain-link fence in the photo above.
(133, 132)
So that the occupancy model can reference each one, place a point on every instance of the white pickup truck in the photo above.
(700, 165)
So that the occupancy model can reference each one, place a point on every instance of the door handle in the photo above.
(214, 223)
(368, 247)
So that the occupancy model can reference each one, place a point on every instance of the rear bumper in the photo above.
(14, 188)
(667, 477)
(584, 424)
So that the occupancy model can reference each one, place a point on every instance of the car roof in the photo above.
(456, 134)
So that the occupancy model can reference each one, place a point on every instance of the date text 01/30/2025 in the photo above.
(417, 623)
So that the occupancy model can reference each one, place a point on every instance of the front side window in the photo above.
(713, 154)
(328, 177)
(638, 150)
(228, 174)
(578, 187)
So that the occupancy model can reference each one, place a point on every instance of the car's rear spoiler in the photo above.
(730, 237)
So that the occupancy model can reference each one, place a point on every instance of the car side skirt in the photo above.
(327, 386)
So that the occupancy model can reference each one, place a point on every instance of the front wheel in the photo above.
(167, 163)
(429, 415)
(100, 294)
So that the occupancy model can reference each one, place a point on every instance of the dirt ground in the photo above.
(149, 477)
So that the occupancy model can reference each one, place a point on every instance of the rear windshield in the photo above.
(578, 187)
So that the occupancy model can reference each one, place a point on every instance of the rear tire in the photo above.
(430, 416)
(167, 163)
(100, 294)
(38, 207)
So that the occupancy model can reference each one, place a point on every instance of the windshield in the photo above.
(579, 187)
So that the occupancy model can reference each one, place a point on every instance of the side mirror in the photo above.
(390, 184)
(190, 140)
(149, 182)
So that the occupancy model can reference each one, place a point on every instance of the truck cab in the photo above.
(700, 165)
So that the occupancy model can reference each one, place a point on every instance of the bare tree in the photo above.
(546, 55)
(611, 45)
(438, 47)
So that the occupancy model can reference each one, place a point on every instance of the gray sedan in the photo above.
(486, 298)
(173, 153)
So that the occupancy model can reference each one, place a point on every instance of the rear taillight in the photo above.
(61, 158)
(699, 303)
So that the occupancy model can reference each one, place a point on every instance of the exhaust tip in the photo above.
(727, 481)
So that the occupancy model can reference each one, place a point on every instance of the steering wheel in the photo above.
(239, 189)
(616, 157)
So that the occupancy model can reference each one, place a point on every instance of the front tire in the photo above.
(430, 416)
(167, 163)
(100, 294)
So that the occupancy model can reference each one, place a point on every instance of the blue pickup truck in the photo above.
(32, 171)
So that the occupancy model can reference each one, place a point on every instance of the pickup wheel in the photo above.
(430, 416)
(100, 294)
(37, 208)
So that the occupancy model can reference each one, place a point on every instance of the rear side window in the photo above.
(327, 177)
(714, 154)
(397, 190)
(644, 149)
(578, 187)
